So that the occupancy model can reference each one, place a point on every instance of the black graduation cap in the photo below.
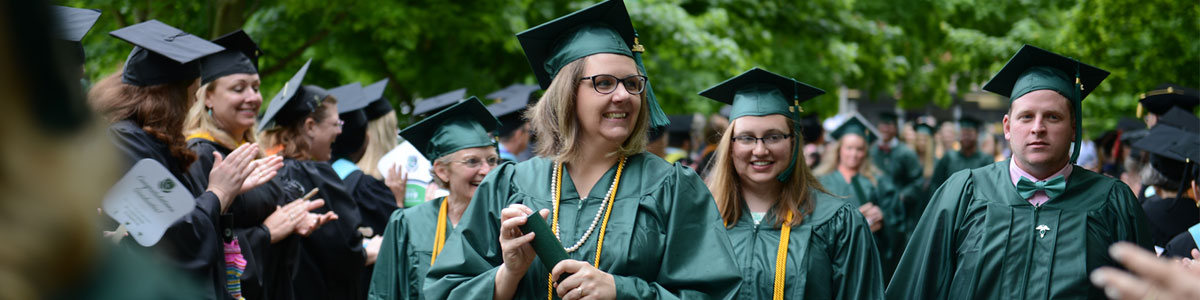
(1181, 119)
(162, 54)
(888, 116)
(511, 105)
(293, 102)
(1166, 96)
(73, 24)
(680, 123)
(1168, 147)
(969, 122)
(239, 57)
(436, 103)
(1033, 69)
(377, 105)
(350, 103)
(461, 126)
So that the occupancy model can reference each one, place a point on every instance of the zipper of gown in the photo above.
(1029, 256)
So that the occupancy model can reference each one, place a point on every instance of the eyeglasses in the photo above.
(606, 84)
(339, 124)
(474, 163)
(770, 139)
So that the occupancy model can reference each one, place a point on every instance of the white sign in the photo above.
(147, 201)
(415, 165)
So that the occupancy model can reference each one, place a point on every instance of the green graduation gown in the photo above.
(665, 238)
(407, 248)
(904, 185)
(979, 239)
(954, 161)
(831, 255)
(887, 240)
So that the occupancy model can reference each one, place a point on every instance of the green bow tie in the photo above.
(1052, 187)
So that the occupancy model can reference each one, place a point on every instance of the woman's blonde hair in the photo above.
(827, 166)
(923, 146)
(290, 137)
(200, 121)
(555, 124)
(797, 196)
(381, 138)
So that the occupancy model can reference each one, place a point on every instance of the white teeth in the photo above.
(614, 115)
(761, 163)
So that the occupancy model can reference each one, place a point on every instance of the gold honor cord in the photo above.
(603, 226)
(439, 238)
(781, 257)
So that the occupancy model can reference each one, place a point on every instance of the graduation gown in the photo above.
(830, 255)
(375, 200)
(904, 183)
(192, 244)
(954, 161)
(979, 239)
(331, 258)
(860, 191)
(1181, 245)
(1169, 217)
(269, 267)
(665, 238)
(407, 249)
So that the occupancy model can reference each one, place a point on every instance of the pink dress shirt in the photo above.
(1015, 173)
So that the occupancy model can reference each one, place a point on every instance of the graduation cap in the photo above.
(436, 103)
(1172, 150)
(351, 102)
(601, 28)
(1180, 118)
(511, 105)
(969, 122)
(461, 126)
(162, 54)
(1033, 69)
(922, 127)
(293, 102)
(73, 24)
(377, 105)
(888, 116)
(1166, 96)
(759, 92)
(856, 125)
(239, 57)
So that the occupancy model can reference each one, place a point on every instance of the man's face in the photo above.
(887, 130)
(969, 137)
(1039, 129)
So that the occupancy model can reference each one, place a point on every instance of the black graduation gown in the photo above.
(1181, 246)
(269, 267)
(332, 257)
(375, 204)
(1169, 217)
(192, 244)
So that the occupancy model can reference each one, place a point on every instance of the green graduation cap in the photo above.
(856, 125)
(601, 28)
(969, 122)
(759, 92)
(461, 126)
(922, 127)
(1033, 69)
(888, 116)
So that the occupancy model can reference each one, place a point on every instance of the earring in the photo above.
(209, 111)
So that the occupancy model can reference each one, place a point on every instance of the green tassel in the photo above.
(658, 118)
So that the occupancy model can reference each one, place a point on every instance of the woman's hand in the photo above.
(585, 281)
(282, 222)
(263, 170)
(372, 248)
(517, 252)
(874, 216)
(229, 172)
(397, 181)
(309, 222)
(1151, 278)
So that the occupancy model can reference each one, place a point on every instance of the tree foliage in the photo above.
(915, 51)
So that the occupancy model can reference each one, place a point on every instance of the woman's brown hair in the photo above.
(290, 137)
(157, 109)
(797, 196)
(554, 122)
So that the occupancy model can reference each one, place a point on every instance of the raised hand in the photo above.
(397, 181)
(263, 170)
(228, 173)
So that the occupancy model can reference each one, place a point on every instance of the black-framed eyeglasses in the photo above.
(474, 163)
(770, 139)
(606, 84)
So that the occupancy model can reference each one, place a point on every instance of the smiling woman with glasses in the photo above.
(792, 239)
(457, 141)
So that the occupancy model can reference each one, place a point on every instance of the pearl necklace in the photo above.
(557, 186)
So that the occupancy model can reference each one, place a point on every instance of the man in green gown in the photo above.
(409, 241)
(1031, 227)
(902, 168)
(967, 157)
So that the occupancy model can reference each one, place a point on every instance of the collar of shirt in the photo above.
(1015, 173)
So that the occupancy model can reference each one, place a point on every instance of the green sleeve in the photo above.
(1132, 225)
(697, 262)
(910, 175)
(466, 267)
(927, 267)
(858, 273)
(390, 279)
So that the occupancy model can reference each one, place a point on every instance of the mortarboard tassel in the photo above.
(795, 108)
(658, 118)
(1078, 110)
